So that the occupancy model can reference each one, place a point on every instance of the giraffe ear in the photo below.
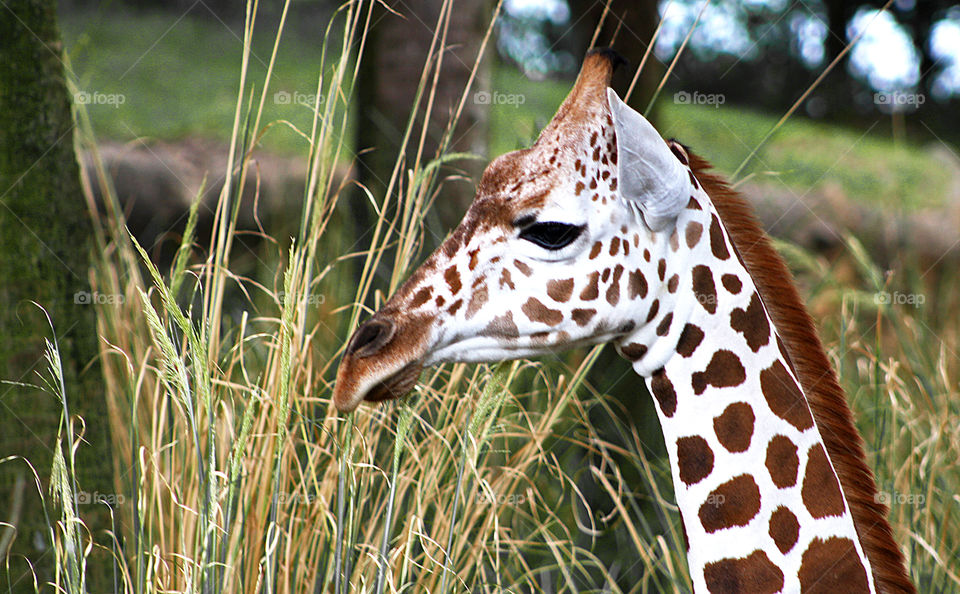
(648, 173)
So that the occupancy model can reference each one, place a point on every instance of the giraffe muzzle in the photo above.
(382, 361)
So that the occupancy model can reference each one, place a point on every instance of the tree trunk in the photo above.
(390, 72)
(45, 244)
(920, 26)
(839, 86)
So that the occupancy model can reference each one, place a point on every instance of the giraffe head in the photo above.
(559, 249)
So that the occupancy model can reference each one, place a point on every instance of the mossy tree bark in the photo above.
(45, 246)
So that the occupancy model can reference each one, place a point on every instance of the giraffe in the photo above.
(605, 232)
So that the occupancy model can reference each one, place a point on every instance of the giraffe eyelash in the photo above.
(552, 236)
(524, 221)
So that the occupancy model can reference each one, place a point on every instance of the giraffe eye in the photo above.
(552, 236)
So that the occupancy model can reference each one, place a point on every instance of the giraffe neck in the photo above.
(761, 504)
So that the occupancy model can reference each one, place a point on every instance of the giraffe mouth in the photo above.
(397, 385)
(382, 360)
(373, 380)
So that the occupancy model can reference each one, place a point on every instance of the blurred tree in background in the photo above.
(396, 50)
(765, 54)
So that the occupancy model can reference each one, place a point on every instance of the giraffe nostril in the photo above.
(370, 337)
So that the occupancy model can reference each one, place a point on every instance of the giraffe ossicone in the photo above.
(604, 232)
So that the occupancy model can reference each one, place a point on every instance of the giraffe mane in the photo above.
(816, 375)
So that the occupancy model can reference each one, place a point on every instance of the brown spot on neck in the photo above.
(734, 503)
(663, 328)
(663, 391)
(704, 289)
(690, 339)
(455, 306)
(754, 573)
(734, 427)
(832, 565)
(724, 371)
(782, 461)
(731, 283)
(821, 493)
(694, 459)
(614, 246)
(654, 310)
(693, 232)
(784, 529)
(633, 351)
(717, 243)
(784, 397)
(752, 323)
(673, 283)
